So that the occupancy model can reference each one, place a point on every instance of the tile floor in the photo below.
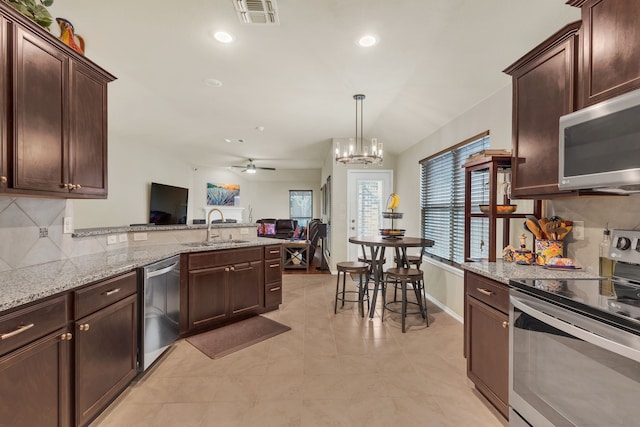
(329, 370)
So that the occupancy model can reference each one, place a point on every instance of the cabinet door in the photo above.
(488, 352)
(611, 49)
(246, 287)
(35, 385)
(40, 103)
(5, 91)
(208, 296)
(543, 90)
(106, 356)
(88, 131)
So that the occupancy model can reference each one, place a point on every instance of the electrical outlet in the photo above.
(137, 237)
(68, 225)
(112, 239)
(578, 230)
(244, 231)
(122, 237)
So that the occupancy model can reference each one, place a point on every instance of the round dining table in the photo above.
(377, 246)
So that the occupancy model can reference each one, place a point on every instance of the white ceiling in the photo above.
(435, 60)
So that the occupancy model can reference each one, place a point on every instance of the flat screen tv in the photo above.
(168, 204)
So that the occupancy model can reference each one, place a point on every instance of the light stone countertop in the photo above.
(25, 285)
(502, 271)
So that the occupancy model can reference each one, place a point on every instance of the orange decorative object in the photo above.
(68, 36)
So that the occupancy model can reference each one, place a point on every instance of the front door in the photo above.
(367, 197)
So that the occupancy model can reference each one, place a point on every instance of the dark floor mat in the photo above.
(228, 339)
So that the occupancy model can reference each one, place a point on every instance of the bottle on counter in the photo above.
(606, 264)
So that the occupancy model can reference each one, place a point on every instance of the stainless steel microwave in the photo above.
(600, 146)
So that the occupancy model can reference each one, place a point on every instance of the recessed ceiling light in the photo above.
(212, 82)
(223, 37)
(367, 41)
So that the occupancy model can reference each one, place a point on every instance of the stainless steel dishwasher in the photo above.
(159, 309)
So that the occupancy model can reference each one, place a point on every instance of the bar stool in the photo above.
(413, 261)
(405, 277)
(362, 270)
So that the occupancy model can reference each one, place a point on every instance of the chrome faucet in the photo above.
(209, 236)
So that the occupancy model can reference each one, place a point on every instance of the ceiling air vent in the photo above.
(257, 11)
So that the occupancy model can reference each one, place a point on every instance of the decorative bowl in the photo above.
(392, 215)
(392, 232)
(501, 209)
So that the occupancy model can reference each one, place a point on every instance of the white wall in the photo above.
(493, 114)
(133, 166)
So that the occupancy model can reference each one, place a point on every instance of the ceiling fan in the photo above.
(251, 168)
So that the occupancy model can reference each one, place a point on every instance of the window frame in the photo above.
(310, 217)
(444, 199)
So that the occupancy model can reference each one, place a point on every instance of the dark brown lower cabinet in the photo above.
(106, 357)
(208, 296)
(487, 339)
(35, 383)
(219, 293)
(224, 286)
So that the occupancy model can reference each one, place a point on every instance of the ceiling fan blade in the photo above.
(266, 169)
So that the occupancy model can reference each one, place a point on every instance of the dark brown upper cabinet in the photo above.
(544, 83)
(54, 127)
(610, 47)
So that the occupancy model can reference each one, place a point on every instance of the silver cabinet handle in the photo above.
(3, 179)
(21, 329)
(484, 291)
(275, 289)
(274, 252)
(112, 291)
(274, 265)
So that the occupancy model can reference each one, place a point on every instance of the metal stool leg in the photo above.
(404, 304)
(335, 305)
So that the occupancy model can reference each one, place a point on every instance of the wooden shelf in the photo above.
(493, 165)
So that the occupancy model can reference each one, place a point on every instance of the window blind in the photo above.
(442, 202)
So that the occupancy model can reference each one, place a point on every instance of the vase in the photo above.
(68, 36)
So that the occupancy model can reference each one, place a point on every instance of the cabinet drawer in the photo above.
(223, 257)
(273, 295)
(31, 323)
(274, 251)
(102, 294)
(488, 291)
(272, 270)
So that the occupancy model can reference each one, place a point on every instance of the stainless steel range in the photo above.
(575, 346)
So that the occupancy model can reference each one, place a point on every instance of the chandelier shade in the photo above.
(357, 151)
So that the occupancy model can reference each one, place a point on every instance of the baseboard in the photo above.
(445, 308)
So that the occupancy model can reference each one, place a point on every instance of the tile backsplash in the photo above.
(619, 212)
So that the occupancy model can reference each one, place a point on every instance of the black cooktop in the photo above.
(606, 300)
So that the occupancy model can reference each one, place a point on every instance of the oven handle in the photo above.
(574, 325)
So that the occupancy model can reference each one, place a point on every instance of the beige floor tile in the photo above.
(329, 370)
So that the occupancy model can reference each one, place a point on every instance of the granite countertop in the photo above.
(25, 285)
(502, 271)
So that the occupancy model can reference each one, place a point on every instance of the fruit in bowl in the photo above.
(501, 209)
(391, 232)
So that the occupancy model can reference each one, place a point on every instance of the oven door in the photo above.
(567, 369)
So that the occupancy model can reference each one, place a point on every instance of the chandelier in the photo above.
(357, 152)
